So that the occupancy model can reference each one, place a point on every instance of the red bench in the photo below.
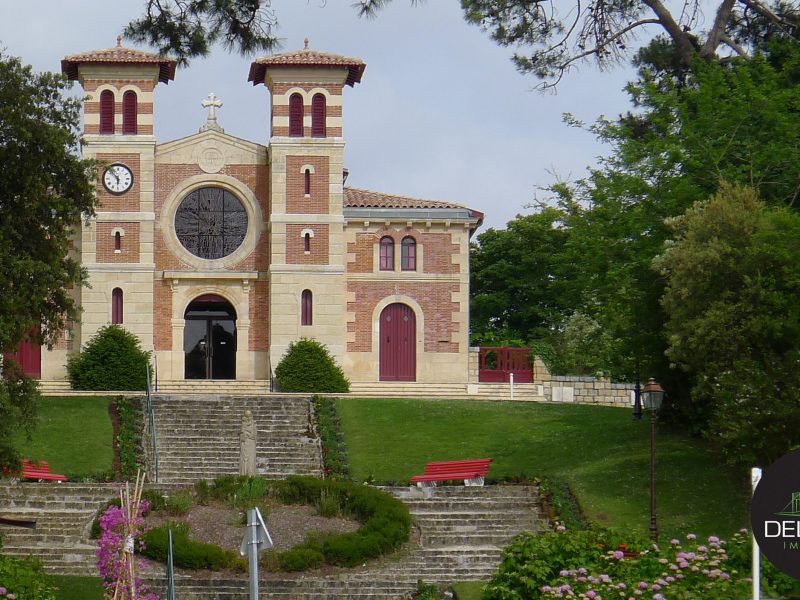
(39, 471)
(471, 472)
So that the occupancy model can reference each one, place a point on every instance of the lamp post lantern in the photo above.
(652, 397)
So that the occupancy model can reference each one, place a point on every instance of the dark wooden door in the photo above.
(398, 347)
(28, 359)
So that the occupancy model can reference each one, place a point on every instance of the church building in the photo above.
(218, 252)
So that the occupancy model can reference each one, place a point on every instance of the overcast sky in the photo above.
(441, 112)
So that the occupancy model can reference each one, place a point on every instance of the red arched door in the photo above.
(398, 347)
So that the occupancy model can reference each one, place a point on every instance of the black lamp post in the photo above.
(652, 396)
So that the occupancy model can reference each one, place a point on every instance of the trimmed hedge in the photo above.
(307, 366)
(385, 522)
(187, 553)
(112, 360)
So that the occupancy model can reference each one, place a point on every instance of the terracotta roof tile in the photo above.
(307, 57)
(357, 198)
(118, 55)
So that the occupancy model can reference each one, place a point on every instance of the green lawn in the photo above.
(600, 452)
(73, 434)
(78, 588)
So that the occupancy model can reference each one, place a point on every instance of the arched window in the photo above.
(408, 254)
(307, 242)
(107, 112)
(116, 306)
(117, 242)
(306, 308)
(296, 115)
(307, 182)
(318, 115)
(387, 254)
(129, 113)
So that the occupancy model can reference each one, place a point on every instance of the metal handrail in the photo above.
(151, 423)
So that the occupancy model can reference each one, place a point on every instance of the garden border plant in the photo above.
(329, 429)
(385, 523)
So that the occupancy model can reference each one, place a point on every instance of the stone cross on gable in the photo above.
(212, 103)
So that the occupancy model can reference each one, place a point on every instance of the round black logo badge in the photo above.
(775, 514)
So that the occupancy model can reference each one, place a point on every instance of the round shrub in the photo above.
(308, 366)
(111, 360)
(300, 559)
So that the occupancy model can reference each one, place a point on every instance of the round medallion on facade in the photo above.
(211, 160)
(211, 223)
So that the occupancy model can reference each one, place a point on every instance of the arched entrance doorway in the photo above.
(209, 338)
(398, 343)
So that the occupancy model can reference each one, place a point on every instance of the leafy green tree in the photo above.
(45, 188)
(733, 280)
(557, 34)
(516, 294)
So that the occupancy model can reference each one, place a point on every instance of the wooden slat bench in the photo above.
(40, 471)
(471, 472)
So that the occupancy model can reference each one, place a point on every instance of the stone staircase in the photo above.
(459, 535)
(63, 514)
(198, 436)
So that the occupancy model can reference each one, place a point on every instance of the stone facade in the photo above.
(306, 262)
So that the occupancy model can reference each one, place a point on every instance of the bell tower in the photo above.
(306, 222)
(116, 246)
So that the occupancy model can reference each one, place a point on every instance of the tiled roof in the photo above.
(118, 55)
(304, 58)
(356, 198)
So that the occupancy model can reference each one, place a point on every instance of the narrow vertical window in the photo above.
(117, 241)
(408, 254)
(107, 112)
(129, 113)
(296, 115)
(306, 309)
(387, 254)
(318, 116)
(307, 242)
(116, 306)
(307, 182)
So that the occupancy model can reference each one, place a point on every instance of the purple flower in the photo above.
(642, 585)
(3, 591)
(691, 536)
(561, 528)
(675, 542)
(546, 589)
(591, 594)
(713, 539)
(619, 555)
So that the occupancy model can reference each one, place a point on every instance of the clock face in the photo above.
(117, 179)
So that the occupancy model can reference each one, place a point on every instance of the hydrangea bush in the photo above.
(110, 548)
(594, 565)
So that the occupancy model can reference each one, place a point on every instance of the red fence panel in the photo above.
(496, 365)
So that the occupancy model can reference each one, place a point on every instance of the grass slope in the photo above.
(600, 452)
(78, 588)
(73, 434)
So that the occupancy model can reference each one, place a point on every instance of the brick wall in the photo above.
(129, 201)
(435, 251)
(259, 316)
(439, 311)
(363, 251)
(162, 315)
(282, 110)
(295, 244)
(129, 243)
(296, 200)
(253, 176)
